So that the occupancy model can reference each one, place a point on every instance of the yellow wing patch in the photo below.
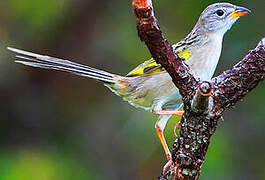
(151, 66)
(185, 55)
(148, 67)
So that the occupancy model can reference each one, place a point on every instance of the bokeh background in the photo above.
(58, 126)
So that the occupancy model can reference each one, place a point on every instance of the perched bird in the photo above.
(149, 86)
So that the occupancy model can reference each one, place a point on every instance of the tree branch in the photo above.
(149, 32)
(232, 85)
(204, 102)
(190, 147)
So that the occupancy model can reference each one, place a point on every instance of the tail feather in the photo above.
(47, 62)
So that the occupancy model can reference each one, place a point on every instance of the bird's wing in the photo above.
(147, 67)
(151, 66)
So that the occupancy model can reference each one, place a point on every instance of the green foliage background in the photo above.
(56, 126)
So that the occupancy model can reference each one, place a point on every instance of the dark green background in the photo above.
(57, 126)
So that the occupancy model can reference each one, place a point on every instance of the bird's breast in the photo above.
(204, 59)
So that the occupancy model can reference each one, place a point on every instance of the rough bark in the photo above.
(204, 102)
(149, 32)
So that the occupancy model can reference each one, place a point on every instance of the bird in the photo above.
(149, 86)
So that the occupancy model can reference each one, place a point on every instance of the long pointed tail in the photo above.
(47, 62)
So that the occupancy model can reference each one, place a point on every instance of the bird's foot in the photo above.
(167, 166)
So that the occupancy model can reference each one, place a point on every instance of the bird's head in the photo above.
(219, 17)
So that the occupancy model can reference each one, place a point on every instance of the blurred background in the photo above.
(58, 126)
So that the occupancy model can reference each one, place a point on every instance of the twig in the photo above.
(149, 32)
(202, 102)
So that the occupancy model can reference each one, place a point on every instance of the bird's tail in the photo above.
(47, 62)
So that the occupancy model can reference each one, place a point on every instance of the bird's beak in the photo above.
(240, 11)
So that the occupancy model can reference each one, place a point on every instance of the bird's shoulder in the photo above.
(151, 66)
(184, 48)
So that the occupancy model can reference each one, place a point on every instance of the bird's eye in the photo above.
(220, 12)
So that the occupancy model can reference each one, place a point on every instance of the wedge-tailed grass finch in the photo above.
(149, 86)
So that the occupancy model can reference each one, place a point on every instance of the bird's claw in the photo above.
(167, 166)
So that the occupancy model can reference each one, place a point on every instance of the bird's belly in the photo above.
(154, 92)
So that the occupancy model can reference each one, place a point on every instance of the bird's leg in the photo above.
(174, 112)
(177, 126)
(160, 134)
(179, 113)
(161, 137)
(160, 126)
(163, 112)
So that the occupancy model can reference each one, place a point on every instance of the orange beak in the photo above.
(240, 11)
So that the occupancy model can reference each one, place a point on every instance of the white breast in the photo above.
(204, 59)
